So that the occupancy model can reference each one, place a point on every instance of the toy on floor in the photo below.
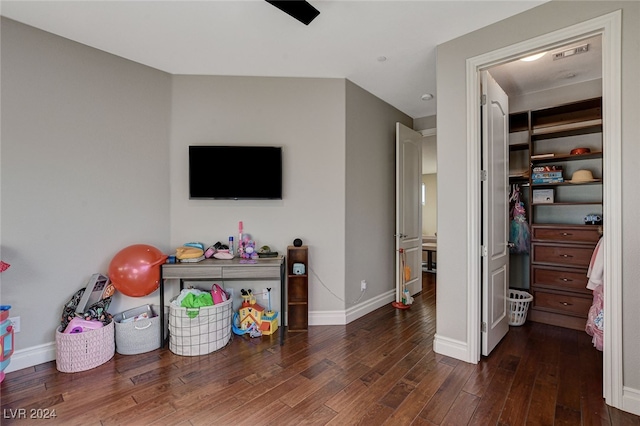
(252, 318)
(6, 339)
(403, 296)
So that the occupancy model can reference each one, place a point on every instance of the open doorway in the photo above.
(429, 201)
(609, 27)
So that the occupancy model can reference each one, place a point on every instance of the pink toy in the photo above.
(218, 294)
(78, 325)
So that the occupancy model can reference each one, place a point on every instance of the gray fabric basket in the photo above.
(139, 336)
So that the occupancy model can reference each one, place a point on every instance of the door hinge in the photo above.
(483, 327)
(483, 175)
(483, 100)
(483, 251)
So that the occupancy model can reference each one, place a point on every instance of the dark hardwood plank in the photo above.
(380, 369)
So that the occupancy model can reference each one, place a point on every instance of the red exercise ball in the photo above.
(135, 270)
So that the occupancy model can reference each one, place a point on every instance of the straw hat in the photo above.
(582, 176)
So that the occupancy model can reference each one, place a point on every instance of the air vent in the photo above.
(570, 52)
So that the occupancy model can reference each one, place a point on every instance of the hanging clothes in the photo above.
(519, 233)
(595, 317)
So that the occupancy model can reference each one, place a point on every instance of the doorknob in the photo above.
(400, 235)
(510, 244)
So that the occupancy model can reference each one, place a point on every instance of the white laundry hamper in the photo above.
(519, 302)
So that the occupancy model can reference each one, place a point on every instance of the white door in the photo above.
(408, 207)
(495, 215)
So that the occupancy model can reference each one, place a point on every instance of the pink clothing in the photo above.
(595, 318)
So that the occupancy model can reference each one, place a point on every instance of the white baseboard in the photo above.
(25, 358)
(452, 348)
(370, 305)
(327, 318)
(631, 400)
(351, 314)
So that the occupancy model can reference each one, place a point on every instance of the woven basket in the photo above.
(206, 332)
(139, 336)
(86, 350)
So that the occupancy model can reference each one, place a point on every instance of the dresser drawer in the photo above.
(569, 304)
(572, 234)
(559, 278)
(561, 254)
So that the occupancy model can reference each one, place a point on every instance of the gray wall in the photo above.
(94, 158)
(452, 133)
(85, 154)
(370, 193)
(304, 116)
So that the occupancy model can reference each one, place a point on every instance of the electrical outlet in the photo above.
(230, 292)
(363, 285)
(15, 321)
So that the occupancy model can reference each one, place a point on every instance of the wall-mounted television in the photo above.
(228, 172)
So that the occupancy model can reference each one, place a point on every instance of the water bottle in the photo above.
(231, 245)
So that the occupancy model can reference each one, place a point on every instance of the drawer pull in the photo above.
(566, 280)
(566, 234)
(566, 255)
(565, 304)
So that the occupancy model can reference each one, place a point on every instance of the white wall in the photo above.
(430, 209)
(452, 133)
(85, 154)
(370, 195)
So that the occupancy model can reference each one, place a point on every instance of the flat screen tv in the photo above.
(235, 172)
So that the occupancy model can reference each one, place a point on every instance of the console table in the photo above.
(216, 269)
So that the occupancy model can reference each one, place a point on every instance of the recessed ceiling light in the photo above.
(426, 97)
(382, 58)
(533, 57)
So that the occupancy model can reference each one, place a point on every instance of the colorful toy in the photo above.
(247, 248)
(79, 325)
(252, 318)
(6, 339)
(135, 270)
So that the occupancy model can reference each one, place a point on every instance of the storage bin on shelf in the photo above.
(199, 331)
(84, 351)
(519, 302)
(137, 329)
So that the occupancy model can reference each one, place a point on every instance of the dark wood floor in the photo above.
(380, 369)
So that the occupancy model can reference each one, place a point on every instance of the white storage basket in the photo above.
(84, 351)
(518, 306)
(143, 335)
(208, 331)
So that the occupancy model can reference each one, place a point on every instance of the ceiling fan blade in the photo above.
(299, 9)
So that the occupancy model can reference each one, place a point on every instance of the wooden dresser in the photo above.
(560, 256)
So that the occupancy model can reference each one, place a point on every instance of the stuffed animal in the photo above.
(247, 248)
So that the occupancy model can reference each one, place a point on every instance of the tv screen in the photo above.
(235, 172)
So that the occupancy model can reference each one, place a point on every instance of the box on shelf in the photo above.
(137, 330)
(546, 175)
(543, 196)
(547, 168)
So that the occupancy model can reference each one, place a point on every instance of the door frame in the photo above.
(609, 27)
